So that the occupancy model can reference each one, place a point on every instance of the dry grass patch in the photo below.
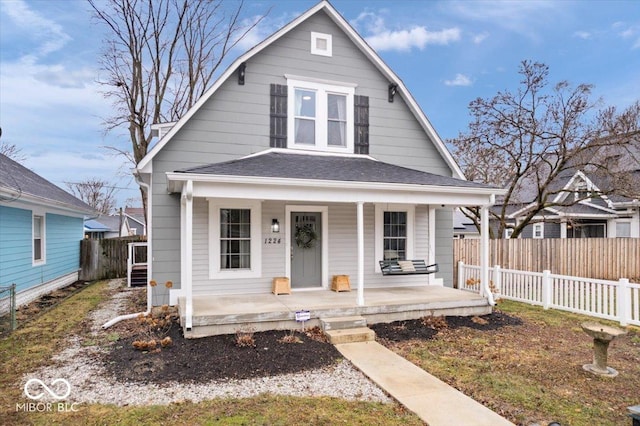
(532, 373)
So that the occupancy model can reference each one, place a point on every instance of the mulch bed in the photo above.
(220, 357)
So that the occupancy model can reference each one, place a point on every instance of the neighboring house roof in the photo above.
(582, 209)
(462, 224)
(93, 225)
(145, 163)
(19, 183)
(276, 163)
(623, 158)
(135, 215)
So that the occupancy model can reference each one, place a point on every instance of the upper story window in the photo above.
(320, 115)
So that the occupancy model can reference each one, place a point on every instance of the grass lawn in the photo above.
(33, 344)
(532, 373)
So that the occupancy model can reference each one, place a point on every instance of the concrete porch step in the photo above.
(350, 335)
(341, 323)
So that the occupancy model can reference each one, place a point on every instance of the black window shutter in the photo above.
(278, 118)
(361, 125)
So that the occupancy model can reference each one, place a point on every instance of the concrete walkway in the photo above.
(431, 399)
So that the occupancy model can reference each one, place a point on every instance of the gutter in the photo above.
(117, 319)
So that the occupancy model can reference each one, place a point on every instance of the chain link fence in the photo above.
(7, 308)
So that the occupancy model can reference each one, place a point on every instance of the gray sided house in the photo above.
(41, 227)
(585, 205)
(307, 159)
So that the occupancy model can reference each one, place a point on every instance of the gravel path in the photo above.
(90, 383)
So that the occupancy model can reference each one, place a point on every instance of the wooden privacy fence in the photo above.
(600, 258)
(105, 259)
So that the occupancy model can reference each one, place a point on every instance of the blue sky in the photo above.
(446, 52)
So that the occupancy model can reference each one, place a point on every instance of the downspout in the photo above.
(117, 319)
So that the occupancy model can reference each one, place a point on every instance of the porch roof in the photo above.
(279, 174)
(346, 168)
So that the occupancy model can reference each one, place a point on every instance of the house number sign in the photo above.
(270, 239)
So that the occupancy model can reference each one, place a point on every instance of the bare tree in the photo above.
(96, 192)
(524, 141)
(11, 151)
(160, 58)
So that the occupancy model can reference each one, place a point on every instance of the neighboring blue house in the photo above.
(40, 231)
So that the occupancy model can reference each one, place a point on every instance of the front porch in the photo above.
(214, 315)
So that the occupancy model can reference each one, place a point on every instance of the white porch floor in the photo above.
(258, 312)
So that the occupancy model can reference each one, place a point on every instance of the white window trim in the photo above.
(538, 226)
(321, 36)
(508, 232)
(379, 230)
(43, 238)
(214, 239)
(615, 228)
(322, 88)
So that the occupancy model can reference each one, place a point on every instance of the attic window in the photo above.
(321, 44)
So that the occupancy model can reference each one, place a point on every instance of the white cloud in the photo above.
(459, 80)
(479, 38)
(585, 35)
(417, 37)
(50, 35)
(521, 17)
(372, 26)
(628, 32)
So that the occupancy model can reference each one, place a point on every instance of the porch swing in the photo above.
(407, 267)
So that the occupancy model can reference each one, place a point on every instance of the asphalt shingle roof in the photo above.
(18, 178)
(334, 168)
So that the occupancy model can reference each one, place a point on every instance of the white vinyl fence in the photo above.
(612, 300)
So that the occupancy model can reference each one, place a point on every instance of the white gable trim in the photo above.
(145, 164)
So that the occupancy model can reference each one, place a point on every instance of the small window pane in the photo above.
(337, 133)
(305, 132)
(305, 103)
(337, 120)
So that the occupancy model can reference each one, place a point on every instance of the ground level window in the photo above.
(38, 249)
(235, 239)
(395, 235)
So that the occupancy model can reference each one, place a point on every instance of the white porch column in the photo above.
(187, 259)
(432, 241)
(484, 254)
(360, 224)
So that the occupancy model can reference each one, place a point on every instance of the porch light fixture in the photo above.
(275, 225)
(241, 73)
(393, 89)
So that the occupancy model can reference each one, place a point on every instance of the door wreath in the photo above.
(305, 236)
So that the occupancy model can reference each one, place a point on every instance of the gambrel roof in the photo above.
(146, 163)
